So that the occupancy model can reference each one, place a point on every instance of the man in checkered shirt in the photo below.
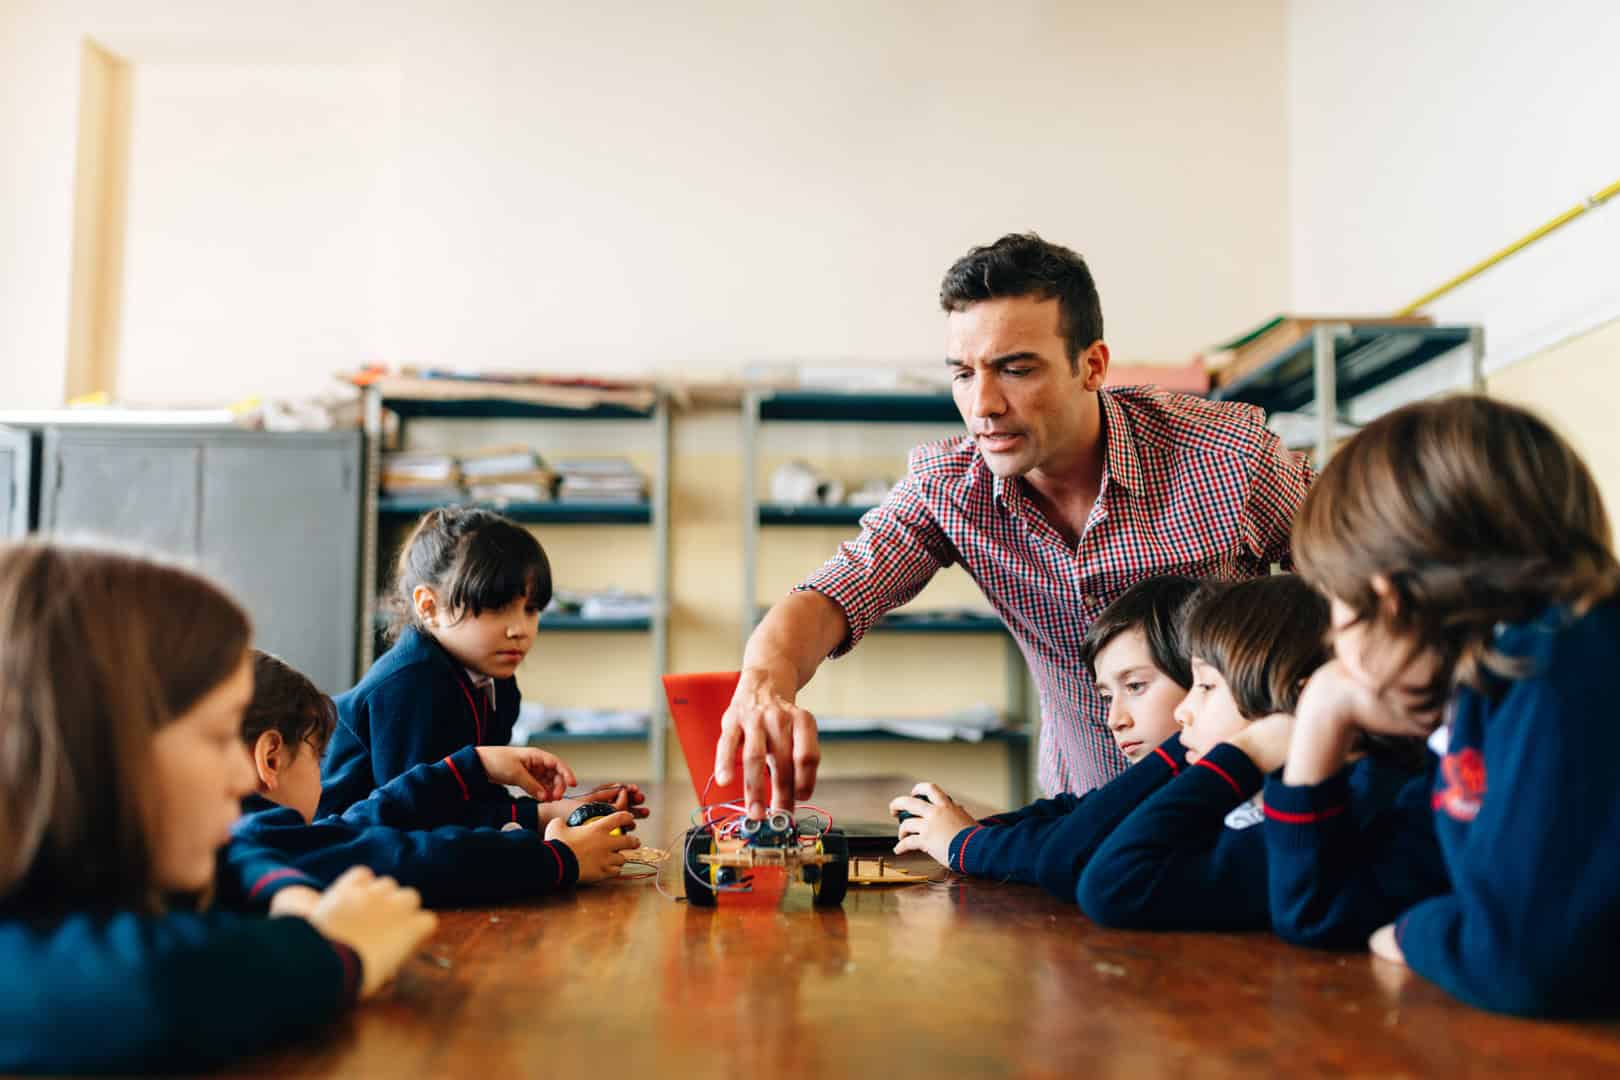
(1061, 496)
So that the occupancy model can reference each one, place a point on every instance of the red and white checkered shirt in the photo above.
(1189, 486)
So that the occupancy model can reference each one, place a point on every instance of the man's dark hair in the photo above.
(1157, 606)
(1022, 264)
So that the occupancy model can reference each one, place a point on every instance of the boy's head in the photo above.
(1133, 653)
(1435, 524)
(1252, 646)
(286, 729)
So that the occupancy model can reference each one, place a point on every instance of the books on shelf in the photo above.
(415, 471)
(535, 721)
(498, 474)
(608, 604)
(606, 479)
(966, 725)
(1253, 349)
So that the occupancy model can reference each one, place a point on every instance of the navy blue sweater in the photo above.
(416, 706)
(1332, 883)
(1193, 858)
(390, 832)
(1049, 842)
(1527, 811)
(124, 992)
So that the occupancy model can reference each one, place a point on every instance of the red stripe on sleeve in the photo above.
(961, 852)
(1224, 775)
(466, 796)
(561, 870)
(275, 875)
(1290, 818)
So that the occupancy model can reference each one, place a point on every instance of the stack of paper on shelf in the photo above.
(502, 474)
(967, 725)
(534, 722)
(611, 479)
(1254, 348)
(616, 604)
(423, 474)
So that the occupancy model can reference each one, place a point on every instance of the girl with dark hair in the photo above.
(467, 599)
(1190, 857)
(122, 687)
(1467, 556)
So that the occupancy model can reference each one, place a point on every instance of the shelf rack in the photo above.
(653, 512)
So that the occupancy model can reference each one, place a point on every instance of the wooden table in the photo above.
(962, 978)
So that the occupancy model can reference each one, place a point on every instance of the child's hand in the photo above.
(935, 825)
(599, 853)
(1333, 707)
(622, 796)
(541, 775)
(298, 900)
(376, 918)
(1334, 698)
(1265, 742)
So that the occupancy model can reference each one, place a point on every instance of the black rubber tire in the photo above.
(834, 883)
(699, 888)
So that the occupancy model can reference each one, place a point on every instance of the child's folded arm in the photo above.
(248, 875)
(1331, 880)
(425, 796)
(1173, 863)
(1056, 806)
(449, 866)
(1529, 925)
(172, 992)
(1052, 851)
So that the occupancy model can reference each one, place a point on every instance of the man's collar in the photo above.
(1121, 465)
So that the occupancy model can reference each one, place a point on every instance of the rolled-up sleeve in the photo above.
(899, 550)
(1279, 480)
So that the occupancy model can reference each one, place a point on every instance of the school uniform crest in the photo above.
(1462, 784)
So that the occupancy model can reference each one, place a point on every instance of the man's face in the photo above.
(1010, 374)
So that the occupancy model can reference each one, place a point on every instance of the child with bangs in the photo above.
(467, 598)
(122, 944)
(398, 830)
(1190, 857)
(1476, 599)
(1133, 651)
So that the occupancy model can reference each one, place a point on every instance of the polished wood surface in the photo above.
(959, 978)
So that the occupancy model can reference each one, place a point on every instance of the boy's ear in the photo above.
(269, 758)
(426, 604)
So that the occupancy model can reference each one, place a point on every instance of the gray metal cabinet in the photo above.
(16, 467)
(273, 517)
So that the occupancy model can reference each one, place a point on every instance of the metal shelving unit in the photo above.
(1341, 361)
(654, 513)
(822, 406)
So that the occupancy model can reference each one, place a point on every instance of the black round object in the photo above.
(699, 885)
(834, 882)
(907, 815)
(590, 810)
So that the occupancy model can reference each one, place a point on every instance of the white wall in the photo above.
(1423, 137)
(260, 254)
(642, 188)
